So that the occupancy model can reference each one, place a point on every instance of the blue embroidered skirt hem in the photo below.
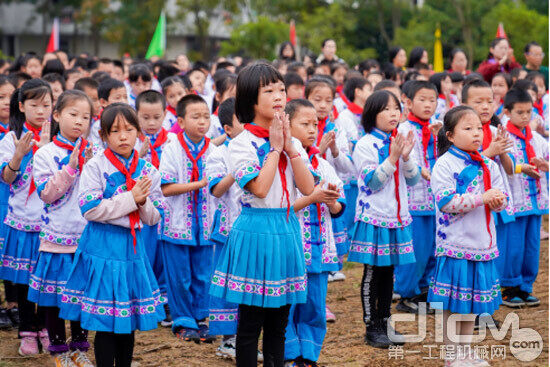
(18, 254)
(49, 278)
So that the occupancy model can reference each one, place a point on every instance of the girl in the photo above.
(111, 287)
(30, 110)
(173, 89)
(445, 99)
(381, 237)
(264, 272)
(32, 65)
(57, 167)
(500, 85)
(225, 89)
(467, 187)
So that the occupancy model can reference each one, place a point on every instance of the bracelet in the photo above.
(297, 155)
(518, 168)
(13, 170)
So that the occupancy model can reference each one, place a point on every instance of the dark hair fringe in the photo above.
(31, 89)
(375, 104)
(451, 119)
(111, 112)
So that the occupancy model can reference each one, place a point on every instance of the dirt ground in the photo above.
(343, 345)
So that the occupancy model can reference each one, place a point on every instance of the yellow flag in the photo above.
(438, 51)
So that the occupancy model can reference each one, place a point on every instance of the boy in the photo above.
(71, 76)
(139, 80)
(294, 86)
(118, 71)
(356, 90)
(411, 280)
(111, 91)
(185, 234)
(306, 327)
(529, 189)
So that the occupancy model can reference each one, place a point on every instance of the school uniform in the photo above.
(530, 201)
(307, 327)
(466, 279)
(111, 286)
(4, 189)
(185, 246)
(441, 107)
(412, 279)
(215, 128)
(170, 119)
(93, 134)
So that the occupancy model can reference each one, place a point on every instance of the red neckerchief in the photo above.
(334, 112)
(354, 108)
(451, 103)
(426, 135)
(194, 160)
(476, 157)
(321, 129)
(539, 106)
(171, 110)
(36, 136)
(263, 133)
(311, 153)
(4, 130)
(216, 112)
(340, 91)
(487, 135)
(161, 139)
(70, 148)
(513, 129)
(130, 183)
(396, 180)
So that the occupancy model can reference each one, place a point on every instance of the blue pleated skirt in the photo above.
(464, 286)
(110, 287)
(49, 278)
(18, 254)
(381, 246)
(263, 262)
(223, 315)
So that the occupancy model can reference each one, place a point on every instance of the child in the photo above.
(139, 80)
(32, 65)
(173, 89)
(529, 189)
(445, 99)
(500, 84)
(381, 237)
(264, 272)
(221, 184)
(71, 77)
(111, 287)
(225, 88)
(197, 78)
(111, 91)
(306, 327)
(294, 86)
(90, 87)
(186, 248)
(412, 280)
(56, 171)
(467, 187)
(30, 111)
(57, 84)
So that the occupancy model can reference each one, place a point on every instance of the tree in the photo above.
(95, 13)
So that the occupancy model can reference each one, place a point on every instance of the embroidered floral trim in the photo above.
(466, 253)
(58, 239)
(16, 264)
(382, 250)
(168, 178)
(230, 315)
(465, 294)
(260, 287)
(88, 197)
(24, 178)
(22, 224)
(384, 222)
(38, 284)
(248, 169)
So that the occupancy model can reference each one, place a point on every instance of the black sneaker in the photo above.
(529, 299)
(490, 322)
(204, 334)
(511, 298)
(398, 339)
(407, 305)
(188, 335)
(5, 322)
(377, 337)
(13, 314)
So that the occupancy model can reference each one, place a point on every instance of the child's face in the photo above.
(74, 119)
(302, 71)
(468, 133)
(57, 89)
(321, 98)
(362, 94)
(500, 50)
(295, 91)
(374, 79)
(106, 67)
(37, 111)
(117, 95)
(499, 87)
(150, 117)
(6, 91)
(400, 59)
(423, 104)
(235, 130)
(539, 82)
(271, 98)
(122, 137)
(388, 118)
(481, 100)
(520, 115)
(33, 68)
(197, 79)
(446, 85)
(460, 62)
(196, 121)
(71, 80)
(174, 93)
(118, 73)
(322, 70)
(339, 75)
(140, 85)
(231, 92)
(92, 94)
(304, 126)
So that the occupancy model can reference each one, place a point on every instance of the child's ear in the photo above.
(55, 115)
(181, 122)
(21, 107)
(227, 129)
(103, 102)
(507, 112)
(449, 136)
(408, 103)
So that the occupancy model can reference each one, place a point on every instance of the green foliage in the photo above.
(257, 39)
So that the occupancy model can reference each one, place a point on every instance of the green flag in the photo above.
(158, 42)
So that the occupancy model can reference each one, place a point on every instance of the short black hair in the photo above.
(294, 66)
(292, 107)
(105, 60)
(352, 84)
(15, 78)
(411, 75)
(106, 86)
(383, 84)
(475, 83)
(516, 95)
(187, 100)
(86, 83)
(110, 113)
(152, 97)
(417, 85)
(118, 64)
(368, 64)
(533, 75)
(472, 76)
(507, 78)
(167, 70)
(529, 45)
(53, 66)
(437, 78)
(249, 82)
(139, 71)
(224, 65)
(168, 82)
(100, 76)
(456, 77)
(54, 77)
(526, 84)
(69, 72)
(374, 105)
(293, 79)
(226, 111)
(325, 41)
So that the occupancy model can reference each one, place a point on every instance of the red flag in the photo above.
(500, 31)
(53, 44)
(292, 33)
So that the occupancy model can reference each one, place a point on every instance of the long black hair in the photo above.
(415, 56)
(375, 104)
(31, 89)
(450, 121)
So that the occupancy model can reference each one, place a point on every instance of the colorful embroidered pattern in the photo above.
(260, 287)
(465, 294)
(246, 173)
(381, 249)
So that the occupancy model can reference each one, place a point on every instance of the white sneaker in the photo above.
(338, 276)
(330, 278)
(64, 360)
(227, 348)
(81, 359)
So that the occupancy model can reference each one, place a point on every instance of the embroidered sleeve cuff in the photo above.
(247, 173)
(444, 198)
(166, 178)
(213, 181)
(89, 200)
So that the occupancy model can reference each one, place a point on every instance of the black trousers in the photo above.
(251, 321)
(31, 317)
(113, 349)
(11, 292)
(376, 293)
(56, 332)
